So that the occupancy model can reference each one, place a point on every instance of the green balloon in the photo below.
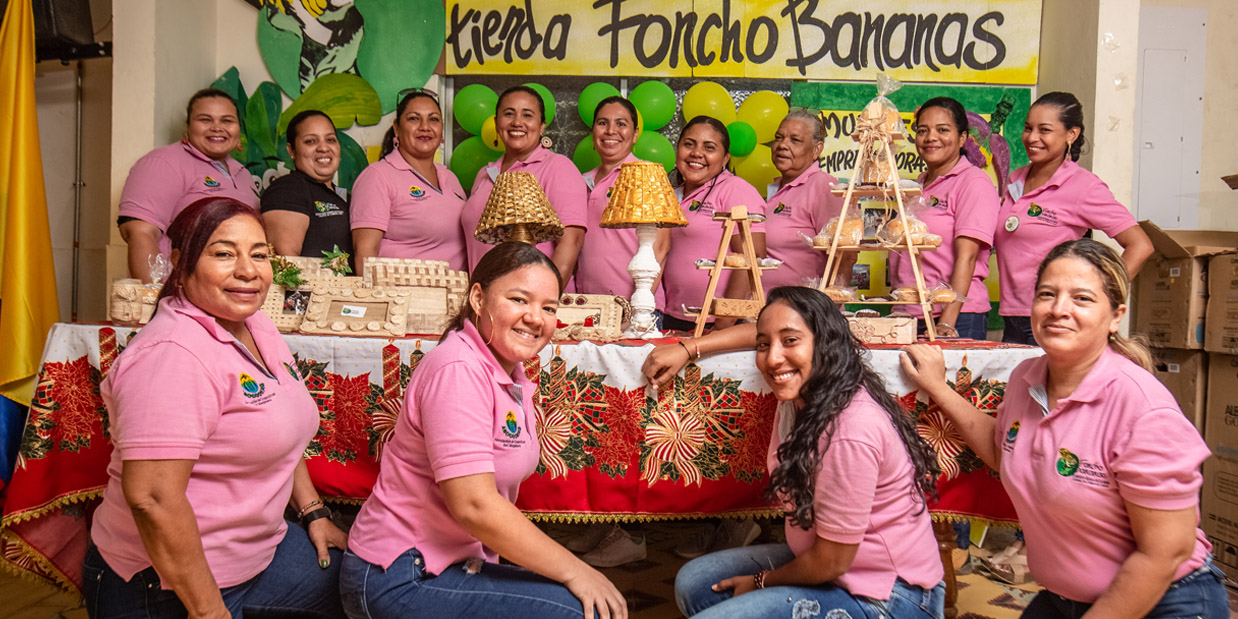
(591, 96)
(743, 138)
(656, 102)
(586, 157)
(468, 157)
(653, 146)
(547, 99)
(473, 105)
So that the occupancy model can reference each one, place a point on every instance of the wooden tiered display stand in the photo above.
(874, 135)
(733, 308)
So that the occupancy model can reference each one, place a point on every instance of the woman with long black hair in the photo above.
(852, 475)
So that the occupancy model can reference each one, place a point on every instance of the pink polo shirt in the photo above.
(961, 202)
(417, 220)
(603, 264)
(864, 496)
(1073, 201)
(166, 180)
(1119, 437)
(558, 177)
(799, 209)
(683, 282)
(186, 389)
(463, 415)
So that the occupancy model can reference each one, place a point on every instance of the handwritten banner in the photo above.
(976, 41)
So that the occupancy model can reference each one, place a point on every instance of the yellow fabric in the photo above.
(28, 304)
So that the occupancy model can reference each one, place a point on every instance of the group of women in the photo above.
(207, 481)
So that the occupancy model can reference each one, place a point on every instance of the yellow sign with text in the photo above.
(976, 41)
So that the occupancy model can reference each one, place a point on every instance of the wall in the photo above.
(1218, 204)
(1067, 61)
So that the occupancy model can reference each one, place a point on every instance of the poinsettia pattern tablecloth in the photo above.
(611, 448)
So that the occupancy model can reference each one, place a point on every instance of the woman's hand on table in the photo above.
(324, 534)
(925, 366)
(596, 591)
(945, 330)
(664, 362)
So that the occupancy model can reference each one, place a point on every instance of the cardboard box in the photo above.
(1185, 374)
(1222, 314)
(1219, 497)
(1171, 291)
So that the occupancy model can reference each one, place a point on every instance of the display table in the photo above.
(611, 449)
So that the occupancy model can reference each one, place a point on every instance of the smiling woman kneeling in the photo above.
(851, 473)
(427, 542)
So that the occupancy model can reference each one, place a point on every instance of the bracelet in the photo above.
(758, 578)
(317, 514)
(305, 508)
(694, 354)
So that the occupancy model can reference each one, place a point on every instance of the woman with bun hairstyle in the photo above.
(706, 187)
(1052, 200)
(1099, 461)
(520, 121)
(960, 206)
(406, 205)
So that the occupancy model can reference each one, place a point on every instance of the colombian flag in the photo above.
(28, 304)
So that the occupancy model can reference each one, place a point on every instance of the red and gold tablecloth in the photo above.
(612, 449)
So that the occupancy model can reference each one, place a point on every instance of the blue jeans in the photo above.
(406, 590)
(292, 585)
(696, 598)
(1198, 594)
(1018, 330)
(971, 325)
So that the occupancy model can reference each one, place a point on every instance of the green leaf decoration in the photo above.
(346, 98)
(352, 160)
(279, 42)
(230, 82)
(261, 114)
(401, 46)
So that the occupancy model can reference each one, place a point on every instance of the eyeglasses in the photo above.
(407, 92)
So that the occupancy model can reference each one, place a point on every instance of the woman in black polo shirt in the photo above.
(305, 212)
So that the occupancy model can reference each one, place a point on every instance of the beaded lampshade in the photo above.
(642, 194)
(517, 210)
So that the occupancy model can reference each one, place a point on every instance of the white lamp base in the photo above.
(644, 269)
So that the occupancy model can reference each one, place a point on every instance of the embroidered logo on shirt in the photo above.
(321, 206)
(416, 191)
(695, 206)
(210, 182)
(1012, 432)
(511, 429)
(608, 191)
(782, 209)
(251, 387)
(1034, 210)
(1067, 463)
(936, 202)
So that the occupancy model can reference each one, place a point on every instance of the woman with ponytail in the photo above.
(960, 205)
(852, 474)
(1052, 200)
(406, 205)
(1099, 461)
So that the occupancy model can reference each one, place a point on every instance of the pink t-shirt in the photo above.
(166, 180)
(1029, 225)
(186, 389)
(558, 177)
(418, 220)
(961, 202)
(1119, 437)
(683, 282)
(462, 415)
(603, 264)
(864, 495)
(799, 209)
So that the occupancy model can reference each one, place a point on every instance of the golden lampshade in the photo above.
(517, 210)
(642, 194)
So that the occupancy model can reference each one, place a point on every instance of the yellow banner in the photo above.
(976, 41)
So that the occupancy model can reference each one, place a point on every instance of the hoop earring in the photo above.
(491, 329)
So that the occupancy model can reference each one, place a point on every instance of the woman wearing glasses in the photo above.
(406, 205)
(520, 119)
